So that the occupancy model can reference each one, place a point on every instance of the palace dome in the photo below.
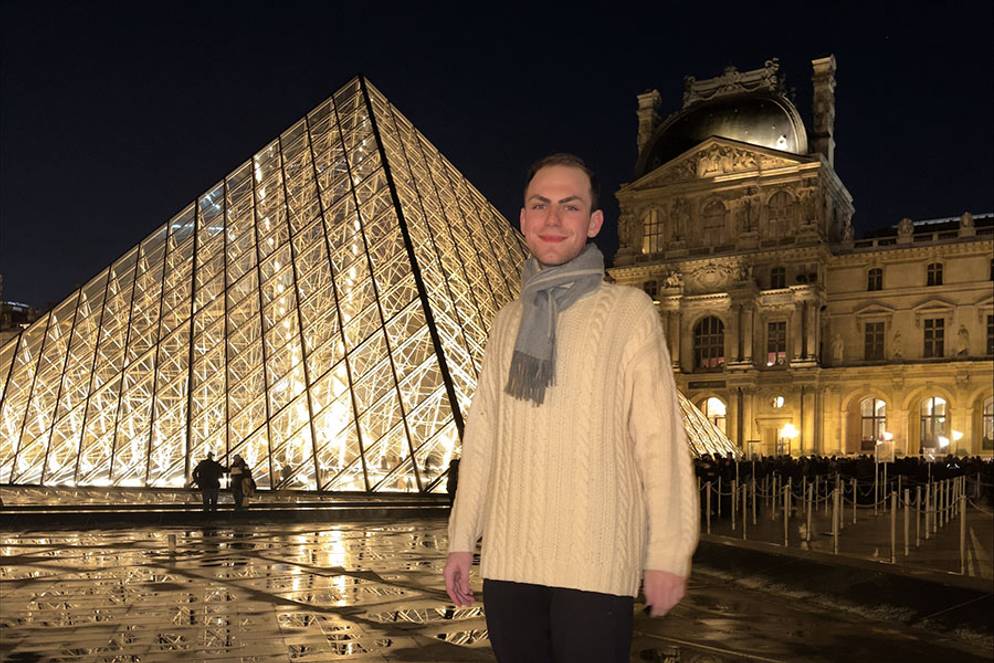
(762, 118)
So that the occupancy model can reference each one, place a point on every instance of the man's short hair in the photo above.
(573, 161)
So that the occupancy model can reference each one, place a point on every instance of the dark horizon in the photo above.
(106, 132)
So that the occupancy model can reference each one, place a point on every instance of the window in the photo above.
(780, 214)
(709, 344)
(651, 288)
(777, 402)
(778, 278)
(715, 410)
(990, 334)
(776, 343)
(874, 334)
(934, 337)
(933, 423)
(652, 232)
(875, 279)
(934, 274)
(713, 218)
(987, 425)
(873, 418)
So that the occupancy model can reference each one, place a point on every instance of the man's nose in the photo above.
(552, 218)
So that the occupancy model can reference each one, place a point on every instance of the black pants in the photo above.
(210, 498)
(538, 624)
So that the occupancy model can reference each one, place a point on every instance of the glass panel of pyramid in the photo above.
(321, 311)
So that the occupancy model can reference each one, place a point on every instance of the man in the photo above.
(575, 467)
(207, 475)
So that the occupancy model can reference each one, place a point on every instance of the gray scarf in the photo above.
(545, 291)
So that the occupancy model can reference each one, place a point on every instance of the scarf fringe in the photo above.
(528, 377)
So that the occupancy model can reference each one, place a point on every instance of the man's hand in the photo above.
(662, 590)
(457, 578)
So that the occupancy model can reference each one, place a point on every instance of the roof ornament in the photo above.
(732, 81)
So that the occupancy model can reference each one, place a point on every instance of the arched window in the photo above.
(933, 424)
(987, 426)
(780, 214)
(709, 344)
(934, 274)
(873, 421)
(715, 410)
(713, 222)
(652, 232)
(875, 279)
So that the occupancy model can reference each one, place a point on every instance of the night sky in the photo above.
(114, 116)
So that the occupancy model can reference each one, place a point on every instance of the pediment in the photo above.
(985, 302)
(934, 305)
(874, 309)
(715, 157)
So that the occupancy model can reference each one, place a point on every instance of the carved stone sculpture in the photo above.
(897, 345)
(673, 280)
(838, 349)
(963, 342)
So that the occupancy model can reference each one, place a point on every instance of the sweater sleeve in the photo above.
(479, 436)
(655, 423)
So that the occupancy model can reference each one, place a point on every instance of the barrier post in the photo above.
(962, 534)
(707, 499)
(745, 509)
(918, 515)
(734, 502)
(893, 527)
(928, 511)
(790, 496)
(977, 491)
(907, 521)
(753, 482)
(835, 520)
(786, 512)
(853, 484)
(810, 508)
(719, 496)
(886, 487)
(839, 486)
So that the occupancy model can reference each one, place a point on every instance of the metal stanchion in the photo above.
(753, 482)
(962, 534)
(900, 488)
(839, 486)
(893, 527)
(707, 499)
(936, 503)
(876, 489)
(810, 509)
(786, 513)
(790, 496)
(854, 500)
(773, 493)
(835, 521)
(886, 487)
(734, 502)
(745, 510)
(928, 511)
(918, 515)
(907, 521)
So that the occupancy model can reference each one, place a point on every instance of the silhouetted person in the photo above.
(207, 475)
(239, 472)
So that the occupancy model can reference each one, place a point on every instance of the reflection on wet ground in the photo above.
(363, 591)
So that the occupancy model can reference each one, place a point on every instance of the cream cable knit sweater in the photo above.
(596, 484)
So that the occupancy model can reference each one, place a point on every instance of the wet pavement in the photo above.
(371, 591)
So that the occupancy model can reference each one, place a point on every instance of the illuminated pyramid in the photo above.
(322, 312)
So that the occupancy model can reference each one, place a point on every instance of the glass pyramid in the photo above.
(322, 311)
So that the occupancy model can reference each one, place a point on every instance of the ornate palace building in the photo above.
(789, 332)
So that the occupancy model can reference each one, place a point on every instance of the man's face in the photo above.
(556, 219)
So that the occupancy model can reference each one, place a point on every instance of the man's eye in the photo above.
(572, 208)
(538, 206)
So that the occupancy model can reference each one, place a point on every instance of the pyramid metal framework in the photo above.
(322, 311)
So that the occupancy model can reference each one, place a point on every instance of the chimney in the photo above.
(648, 115)
(823, 81)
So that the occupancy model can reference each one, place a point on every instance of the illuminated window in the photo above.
(715, 228)
(934, 337)
(987, 442)
(776, 343)
(934, 274)
(933, 423)
(777, 402)
(652, 232)
(709, 344)
(875, 279)
(873, 418)
(778, 278)
(715, 410)
(874, 341)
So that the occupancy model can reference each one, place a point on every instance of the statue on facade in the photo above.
(897, 345)
(963, 342)
(905, 227)
(838, 349)
(673, 280)
(966, 221)
(745, 272)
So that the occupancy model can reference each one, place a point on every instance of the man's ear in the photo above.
(596, 221)
(521, 220)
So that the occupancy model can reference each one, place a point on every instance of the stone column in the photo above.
(812, 329)
(823, 82)
(732, 341)
(748, 313)
(673, 333)
(648, 116)
(796, 317)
